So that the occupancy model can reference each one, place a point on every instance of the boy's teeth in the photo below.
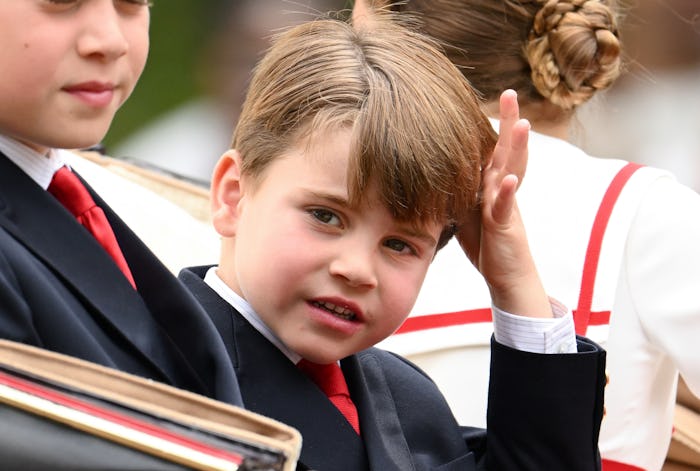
(337, 310)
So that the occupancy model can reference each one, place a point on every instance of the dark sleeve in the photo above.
(545, 410)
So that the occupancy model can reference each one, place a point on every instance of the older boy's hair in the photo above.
(419, 132)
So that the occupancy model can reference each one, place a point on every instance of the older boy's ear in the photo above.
(226, 193)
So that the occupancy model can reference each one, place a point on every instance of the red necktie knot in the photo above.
(330, 379)
(67, 188)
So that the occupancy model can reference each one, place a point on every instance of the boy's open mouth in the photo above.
(338, 311)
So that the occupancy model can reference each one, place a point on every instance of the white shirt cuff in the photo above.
(534, 334)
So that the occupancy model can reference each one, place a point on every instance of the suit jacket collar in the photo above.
(40, 223)
(47, 229)
(387, 448)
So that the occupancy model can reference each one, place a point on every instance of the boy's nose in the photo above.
(355, 266)
(103, 34)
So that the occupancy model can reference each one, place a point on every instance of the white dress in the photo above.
(648, 278)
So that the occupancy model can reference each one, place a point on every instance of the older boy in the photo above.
(67, 67)
(340, 187)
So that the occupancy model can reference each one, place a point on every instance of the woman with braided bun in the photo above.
(618, 241)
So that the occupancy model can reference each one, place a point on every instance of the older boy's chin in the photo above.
(80, 137)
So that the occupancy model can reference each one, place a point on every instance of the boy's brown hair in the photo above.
(419, 132)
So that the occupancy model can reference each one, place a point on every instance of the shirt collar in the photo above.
(38, 167)
(242, 306)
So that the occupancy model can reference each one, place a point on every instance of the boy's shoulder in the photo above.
(397, 389)
(395, 370)
(391, 360)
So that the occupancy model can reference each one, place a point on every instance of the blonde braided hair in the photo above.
(573, 50)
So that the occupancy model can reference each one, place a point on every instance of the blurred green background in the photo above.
(178, 28)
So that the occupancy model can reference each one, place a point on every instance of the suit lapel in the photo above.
(383, 435)
(332, 444)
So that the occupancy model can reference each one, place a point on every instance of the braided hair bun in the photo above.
(573, 50)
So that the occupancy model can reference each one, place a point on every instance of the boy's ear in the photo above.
(226, 193)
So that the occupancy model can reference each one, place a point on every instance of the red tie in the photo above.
(332, 382)
(68, 189)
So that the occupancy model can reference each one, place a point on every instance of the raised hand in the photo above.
(494, 239)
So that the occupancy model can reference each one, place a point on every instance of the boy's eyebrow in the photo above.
(333, 198)
(415, 233)
(406, 229)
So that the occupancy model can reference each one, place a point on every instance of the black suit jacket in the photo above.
(61, 291)
(544, 410)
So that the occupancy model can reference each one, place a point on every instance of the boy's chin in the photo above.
(84, 141)
(78, 145)
(80, 133)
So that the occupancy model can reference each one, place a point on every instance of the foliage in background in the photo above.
(178, 33)
(177, 30)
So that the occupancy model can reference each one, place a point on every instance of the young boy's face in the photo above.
(329, 279)
(67, 66)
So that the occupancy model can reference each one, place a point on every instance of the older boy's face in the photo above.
(327, 278)
(67, 67)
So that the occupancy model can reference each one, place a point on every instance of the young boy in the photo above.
(357, 155)
(67, 67)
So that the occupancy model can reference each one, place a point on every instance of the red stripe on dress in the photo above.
(590, 264)
(448, 319)
(473, 316)
(598, 318)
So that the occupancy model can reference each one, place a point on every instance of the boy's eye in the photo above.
(398, 245)
(325, 216)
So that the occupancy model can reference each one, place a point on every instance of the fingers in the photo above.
(516, 162)
(501, 178)
(505, 200)
(508, 111)
(509, 159)
(508, 115)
